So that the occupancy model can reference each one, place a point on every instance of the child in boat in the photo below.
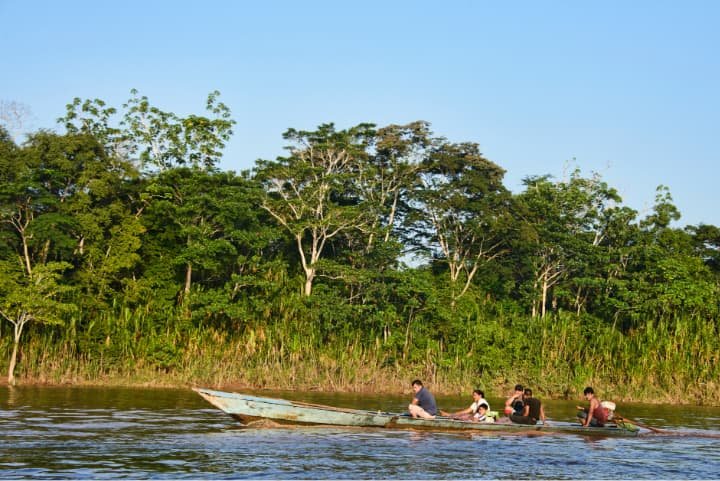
(467, 414)
(484, 415)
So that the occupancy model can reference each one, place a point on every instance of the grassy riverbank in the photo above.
(660, 362)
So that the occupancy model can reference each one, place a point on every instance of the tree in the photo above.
(85, 212)
(158, 138)
(35, 296)
(566, 226)
(461, 211)
(13, 117)
(197, 222)
(390, 173)
(669, 277)
(30, 290)
(707, 244)
(95, 118)
(163, 139)
(308, 192)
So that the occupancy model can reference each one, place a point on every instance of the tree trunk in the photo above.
(309, 277)
(26, 254)
(188, 279)
(19, 324)
(13, 361)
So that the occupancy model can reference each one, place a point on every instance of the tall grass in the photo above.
(663, 360)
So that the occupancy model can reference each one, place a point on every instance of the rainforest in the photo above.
(363, 258)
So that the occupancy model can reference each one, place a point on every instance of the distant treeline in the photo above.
(363, 256)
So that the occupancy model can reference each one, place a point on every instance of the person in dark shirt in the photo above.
(532, 410)
(514, 404)
(423, 403)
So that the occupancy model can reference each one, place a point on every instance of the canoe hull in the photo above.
(247, 408)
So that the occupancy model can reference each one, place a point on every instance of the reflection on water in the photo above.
(103, 433)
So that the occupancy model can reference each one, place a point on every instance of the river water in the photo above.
(109, 433)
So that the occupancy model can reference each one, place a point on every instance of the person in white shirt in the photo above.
(467, 414)
(483, 415)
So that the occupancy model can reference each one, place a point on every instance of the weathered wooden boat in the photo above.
(247, 409)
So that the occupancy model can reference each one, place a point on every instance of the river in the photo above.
(111, 433)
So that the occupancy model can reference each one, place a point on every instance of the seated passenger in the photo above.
(484, 415)
(532, 410)
(514, 404)
(423, 403)
(467, 414)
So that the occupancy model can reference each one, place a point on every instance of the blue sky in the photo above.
(628, 89)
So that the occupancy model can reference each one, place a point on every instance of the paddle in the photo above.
(683, 434)
(637, 423)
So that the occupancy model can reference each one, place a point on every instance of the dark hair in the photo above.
(518, 387)
(528, 391)
(479, 392)
(417, 382)
(588, 390)
(483, 405)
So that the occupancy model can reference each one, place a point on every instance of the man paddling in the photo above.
(594, 415)
(423, 403)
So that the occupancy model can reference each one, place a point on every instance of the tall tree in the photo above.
(197, 222)
(163, 139)
(35, 233)
(389, 173)
(461, 211)
(669, 278)
(567, 223)
(309, 191)
(35, 297)
(156, 138)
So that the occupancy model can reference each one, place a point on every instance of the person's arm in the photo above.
(465, 411)
(511, 400)
(415, 401)
(542, 414)
(526, 410)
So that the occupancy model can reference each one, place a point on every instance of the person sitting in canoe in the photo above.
(595, 414)
(514, 404)
(467, 414)
(532, 410)
(423, 403)
(483, 414)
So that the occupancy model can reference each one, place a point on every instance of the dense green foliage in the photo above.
(364, 257)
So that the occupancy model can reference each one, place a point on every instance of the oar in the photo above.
(679, 434)
(637, 423)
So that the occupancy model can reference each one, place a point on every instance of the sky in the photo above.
(629, 90)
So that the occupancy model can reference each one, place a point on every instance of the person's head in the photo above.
(482, 408)
(478, 394)
(527, 392)
(518, 388)
(589, 392)
(417, 385)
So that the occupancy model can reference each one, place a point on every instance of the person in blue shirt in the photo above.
(423, 403)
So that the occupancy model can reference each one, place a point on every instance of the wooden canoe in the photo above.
(247, 408)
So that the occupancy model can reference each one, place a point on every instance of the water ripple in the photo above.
(155, 434)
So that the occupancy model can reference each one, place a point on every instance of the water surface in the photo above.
(107, 433)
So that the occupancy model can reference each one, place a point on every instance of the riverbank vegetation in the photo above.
(362, 259)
